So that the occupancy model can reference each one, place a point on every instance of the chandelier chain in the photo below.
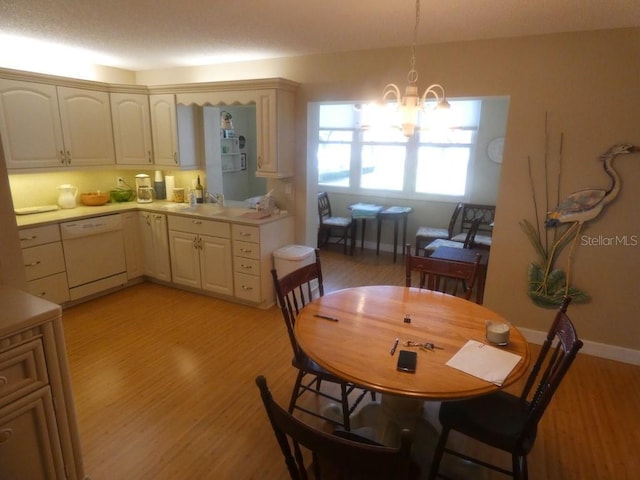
(412, 76)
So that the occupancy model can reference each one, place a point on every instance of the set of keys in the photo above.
(424, 346)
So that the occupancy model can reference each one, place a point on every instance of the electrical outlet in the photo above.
(120, 182)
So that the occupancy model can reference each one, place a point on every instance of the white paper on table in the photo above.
(484, 361)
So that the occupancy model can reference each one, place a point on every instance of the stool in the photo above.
(395, 214)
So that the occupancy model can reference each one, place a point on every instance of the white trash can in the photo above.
(291, 257)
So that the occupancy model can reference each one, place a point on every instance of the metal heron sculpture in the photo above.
(585, 205)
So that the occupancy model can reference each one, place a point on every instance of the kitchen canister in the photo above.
(178, 195)
(159, 186)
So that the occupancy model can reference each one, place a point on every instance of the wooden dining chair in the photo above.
(509, 422)
(437, 274)
(342, 227)
(344, 456)
(426, 235)
(466, 240)
(294, 291)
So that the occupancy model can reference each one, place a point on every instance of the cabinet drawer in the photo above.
(246, 233)
(246, 250)
(30, 237)
(247, 287)
(22, 370)
(53, 288)
(43, 260)
(196, 225)
(249, 266)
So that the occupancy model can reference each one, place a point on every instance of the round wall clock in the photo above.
(494, 149)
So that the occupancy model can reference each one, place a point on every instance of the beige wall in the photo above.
(587, 82)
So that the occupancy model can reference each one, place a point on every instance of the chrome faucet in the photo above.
(215, 198)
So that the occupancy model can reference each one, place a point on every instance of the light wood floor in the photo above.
(164, 388)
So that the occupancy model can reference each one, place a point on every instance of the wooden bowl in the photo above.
(94, 199)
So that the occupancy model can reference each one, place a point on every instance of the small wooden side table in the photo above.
(364, 212)
(395, 214)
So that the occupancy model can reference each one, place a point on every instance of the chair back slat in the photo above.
(294, 291)
(332, 453)
(454, 219)
(556, 356)
(324, 206)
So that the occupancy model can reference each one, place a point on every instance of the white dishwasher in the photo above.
(94, 254)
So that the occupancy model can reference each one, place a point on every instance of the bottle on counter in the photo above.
(199, 191)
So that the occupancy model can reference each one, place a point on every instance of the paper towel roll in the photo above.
(158, 177)
(169, 185)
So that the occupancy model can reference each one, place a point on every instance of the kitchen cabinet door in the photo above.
(216, 264)
(86, 126)
(155, 245)
(274, 123)
(185, 258)
(29, 425)
(133, 252)
(164, 129)
(175, 132)
(131, 128)
(30, 125)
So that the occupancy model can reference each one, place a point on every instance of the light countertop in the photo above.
(232, 212)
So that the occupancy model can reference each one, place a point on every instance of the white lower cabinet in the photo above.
(253, 247)
(44, 263)
(39, 437)
(201, 254)
(155, 245)
(246, 261)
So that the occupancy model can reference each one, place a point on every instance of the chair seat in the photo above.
(311, 367)
(497, 419)
(441, 242)
(432, 232)
(337, 221)
(481, 240)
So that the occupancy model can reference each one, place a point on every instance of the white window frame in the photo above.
(411, 159)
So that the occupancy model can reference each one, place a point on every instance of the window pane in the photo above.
(383, 167)
(334, 163)
(454, 135)
(384, 135)
(442, 171)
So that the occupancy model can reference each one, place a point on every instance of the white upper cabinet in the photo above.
(164, 128)
(86, 126)
(131, 128)
(30, 125)
(174, 129)
(44, 126)
(274, 123)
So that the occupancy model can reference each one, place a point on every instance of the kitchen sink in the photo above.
(207, 209)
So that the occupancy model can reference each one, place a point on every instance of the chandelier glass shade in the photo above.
(412, 103)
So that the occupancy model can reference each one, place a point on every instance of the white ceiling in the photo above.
(153, 34)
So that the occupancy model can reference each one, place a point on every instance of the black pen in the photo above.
(395, 345)
(326, 317)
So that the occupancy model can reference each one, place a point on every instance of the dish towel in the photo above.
(484, 361)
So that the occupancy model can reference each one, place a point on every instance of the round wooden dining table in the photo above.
(355, 344)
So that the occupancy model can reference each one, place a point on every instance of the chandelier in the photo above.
(412, 103)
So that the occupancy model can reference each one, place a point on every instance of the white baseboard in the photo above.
(612, 352)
